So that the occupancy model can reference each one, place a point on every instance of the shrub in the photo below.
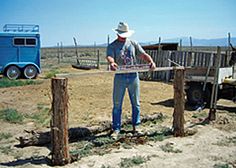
(134, 161)
(51, 73)
(168, 147)
(222, 165)
(5, 82)
(5, 136)
(43, 115)
(11, 115)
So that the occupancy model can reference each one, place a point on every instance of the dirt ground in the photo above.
(214, 144)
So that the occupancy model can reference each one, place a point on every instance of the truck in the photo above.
(200, 80)
(20, 51)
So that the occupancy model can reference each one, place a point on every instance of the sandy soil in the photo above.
(90, 102)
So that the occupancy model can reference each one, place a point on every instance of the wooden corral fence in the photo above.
(87, 58)
(181, 58)
(59, 121)
(87, 63)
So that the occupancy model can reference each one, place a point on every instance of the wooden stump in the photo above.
(178, 121)
(59, 122)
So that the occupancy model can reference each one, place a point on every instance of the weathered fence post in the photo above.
(214, 91)
(58, 53)
(191, 43)
(178, 122)
(61, 51)
(59, 122)
(98, 59)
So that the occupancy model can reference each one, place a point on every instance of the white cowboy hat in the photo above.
(123, 30)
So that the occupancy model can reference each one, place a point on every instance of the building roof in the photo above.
(163, 46)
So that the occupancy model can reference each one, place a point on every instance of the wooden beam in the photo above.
(59, 122)
(116, 72)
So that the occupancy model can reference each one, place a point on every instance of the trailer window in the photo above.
(19, 41)
(25, 41)
(30, 41)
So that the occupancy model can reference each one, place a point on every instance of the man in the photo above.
(124, 51)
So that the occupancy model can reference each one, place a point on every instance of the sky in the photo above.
(91, 21)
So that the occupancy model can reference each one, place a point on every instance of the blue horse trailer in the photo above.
(20, 51)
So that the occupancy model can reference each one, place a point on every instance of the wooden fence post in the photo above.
(178, 121)
(58, 53)
(214, 91)
(98, 59)
(59, 122)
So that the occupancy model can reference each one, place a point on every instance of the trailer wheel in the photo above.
(12, 72)
(30, 72)
(195, 95)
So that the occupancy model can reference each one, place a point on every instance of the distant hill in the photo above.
(185, 42)
(203, 42)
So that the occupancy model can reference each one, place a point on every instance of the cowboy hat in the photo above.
(123, 30)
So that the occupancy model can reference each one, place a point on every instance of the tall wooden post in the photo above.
(180, 45)
(61, 51)
(108, 40)
(178, 122)
(191, 43)
(59, 122)
(98, 59)
(76, 50)
(214, 91)
(58, 53)
(95, 49)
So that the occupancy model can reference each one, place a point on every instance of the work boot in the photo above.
(137, 130)
(115, 134)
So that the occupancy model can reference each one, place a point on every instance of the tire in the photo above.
(196, 96)
(12, 72)
(30, 72)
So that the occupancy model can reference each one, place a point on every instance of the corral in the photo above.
(90, 104)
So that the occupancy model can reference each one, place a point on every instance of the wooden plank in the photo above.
(198, 58)
(167, 64)
(189, 59)
(182, 58)
(158, 69)
(162, 64)
(159, 64)
(194, 59)
(185, 59)
(202, 59)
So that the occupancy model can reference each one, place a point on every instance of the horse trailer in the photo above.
(20, 51)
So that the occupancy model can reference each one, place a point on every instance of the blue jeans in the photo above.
(121, 82)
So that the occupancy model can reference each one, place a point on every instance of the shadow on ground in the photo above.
(170, 103)
(39, 160)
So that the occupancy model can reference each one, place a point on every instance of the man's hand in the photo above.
(113, 66)
(152, 66)
(148, 58)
